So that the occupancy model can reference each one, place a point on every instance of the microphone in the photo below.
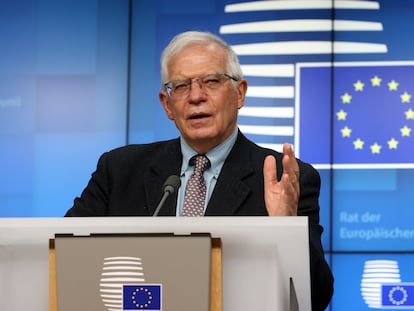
(171, 185)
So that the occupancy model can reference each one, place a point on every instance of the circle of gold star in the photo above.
(359, 143)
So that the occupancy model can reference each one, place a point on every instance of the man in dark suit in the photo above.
(203, 89)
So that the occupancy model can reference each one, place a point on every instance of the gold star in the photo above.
(346, 132)
(341, 115)
(409, 114)
(405, 98)
(393, 85)
(376, 81)
(359, 86)
(346, 98)
(393, 143)
(405, 131)
(375, 148)
(358, 144)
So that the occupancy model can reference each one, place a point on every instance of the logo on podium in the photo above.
(122, 286)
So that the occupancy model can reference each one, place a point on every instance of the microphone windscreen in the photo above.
(172, 183)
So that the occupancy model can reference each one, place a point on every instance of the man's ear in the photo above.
(163, 96)
(241, 89)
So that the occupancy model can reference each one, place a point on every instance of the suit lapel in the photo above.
(163, 164)
(231, 190)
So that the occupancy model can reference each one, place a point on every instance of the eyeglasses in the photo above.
(209, 83)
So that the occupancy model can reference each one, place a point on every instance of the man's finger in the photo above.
(269, 169)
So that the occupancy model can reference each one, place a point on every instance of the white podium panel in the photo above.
(260, 255)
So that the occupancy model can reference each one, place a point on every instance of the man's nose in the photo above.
(196, 88)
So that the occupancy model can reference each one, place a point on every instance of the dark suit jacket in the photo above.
(128, 182)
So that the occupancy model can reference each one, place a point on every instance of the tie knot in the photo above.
(201, 163)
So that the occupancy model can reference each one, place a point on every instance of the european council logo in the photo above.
(271, 59)
(123, 287)
(381, 286)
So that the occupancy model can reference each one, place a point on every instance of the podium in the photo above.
(264, 259)
(135, 272)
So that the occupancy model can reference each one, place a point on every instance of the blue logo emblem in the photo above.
(142, 297)
(382, 288)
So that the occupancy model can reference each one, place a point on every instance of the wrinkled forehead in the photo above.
(197, 47)
(197, 59)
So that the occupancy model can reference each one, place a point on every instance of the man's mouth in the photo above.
(199, 116)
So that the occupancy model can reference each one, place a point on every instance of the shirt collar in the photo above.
(217, 155)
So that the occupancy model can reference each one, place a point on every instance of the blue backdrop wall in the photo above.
(334, 78)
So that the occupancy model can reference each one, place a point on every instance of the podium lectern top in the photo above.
(260, 255)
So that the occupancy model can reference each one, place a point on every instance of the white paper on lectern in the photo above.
(260, 254)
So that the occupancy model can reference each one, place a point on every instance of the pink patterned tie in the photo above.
(195, 192)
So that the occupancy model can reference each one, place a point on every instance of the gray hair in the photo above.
(185, 39)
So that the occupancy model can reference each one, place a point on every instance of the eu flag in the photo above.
(142, 297)
(357, 113)
(399, 295)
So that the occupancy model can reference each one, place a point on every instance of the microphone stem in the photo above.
(164, 197)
